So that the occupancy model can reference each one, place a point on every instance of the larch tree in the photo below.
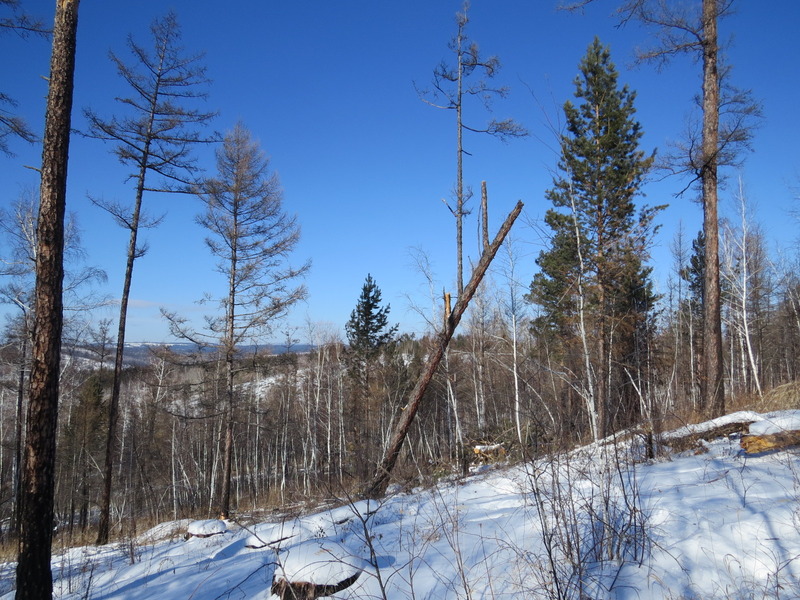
(34, 575)
(155, 138)
(452, 85)
(593, 286)
(253, 238)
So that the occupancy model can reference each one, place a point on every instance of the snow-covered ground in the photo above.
(717, 524)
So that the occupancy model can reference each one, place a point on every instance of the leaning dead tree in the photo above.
(380, 481)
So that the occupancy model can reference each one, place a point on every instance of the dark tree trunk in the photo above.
(34, 577)
(104, 524)
(714, 392)
(227, 454)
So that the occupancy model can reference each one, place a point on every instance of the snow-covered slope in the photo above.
(717, 524)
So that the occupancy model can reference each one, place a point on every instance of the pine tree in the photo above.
(593, 288)
(82, 445)
(695, 274)
(34, 574)
(368, 330)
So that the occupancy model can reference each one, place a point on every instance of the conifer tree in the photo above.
(368, 332)
(593, 288)
(155, 138)
(368, 328)
(695, 274)
(34, 574)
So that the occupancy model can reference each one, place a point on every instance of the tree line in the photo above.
(584, 350)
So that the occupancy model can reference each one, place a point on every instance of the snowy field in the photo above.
(715, 524)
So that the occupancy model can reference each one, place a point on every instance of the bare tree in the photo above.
(511, 305)
(252, 237)
(155, 139)
(743, 271)
(452, 85)
(23, 25)
(34, 577)
(18, 263)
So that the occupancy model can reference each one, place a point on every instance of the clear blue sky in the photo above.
(327, 88)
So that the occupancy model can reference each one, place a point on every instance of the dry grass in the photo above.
(783, 397)
(8, 550)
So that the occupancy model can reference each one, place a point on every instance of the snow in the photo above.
(162, 531)
(777, 423)
(717, 525)
(206, 528)
(745, 416)
(319, 561)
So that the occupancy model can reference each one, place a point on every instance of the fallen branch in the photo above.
(755, 444)
(692, 441)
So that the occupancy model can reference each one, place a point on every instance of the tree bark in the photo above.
(380, 481)
(104, 524)
(714, 392)
(34, 576)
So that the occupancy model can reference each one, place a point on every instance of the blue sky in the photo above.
(328, 89)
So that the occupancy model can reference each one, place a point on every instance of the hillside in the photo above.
(601, 522)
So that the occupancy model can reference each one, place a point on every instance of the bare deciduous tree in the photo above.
(156, 139)
(18, 227)
(452, 85)
(252, 237)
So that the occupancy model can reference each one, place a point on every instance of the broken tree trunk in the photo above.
(380, 481)
(755, 444)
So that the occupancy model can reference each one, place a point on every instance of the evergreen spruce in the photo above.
(600, 239)
(695, 274)
(368, 328)
(368, 333)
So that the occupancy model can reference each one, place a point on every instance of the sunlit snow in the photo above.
(713, 525)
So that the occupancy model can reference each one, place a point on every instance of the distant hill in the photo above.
(139, 353)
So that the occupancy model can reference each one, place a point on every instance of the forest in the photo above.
(222, 424)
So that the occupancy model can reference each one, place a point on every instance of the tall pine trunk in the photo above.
(34, 577)
(714, 390)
